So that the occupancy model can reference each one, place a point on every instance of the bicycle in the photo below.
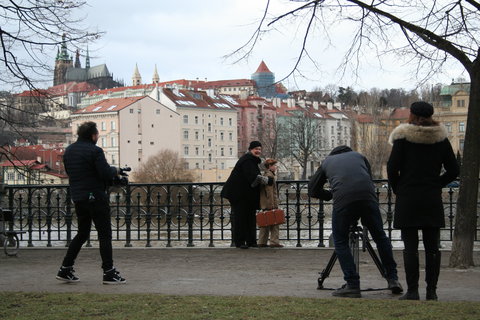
(8, 237)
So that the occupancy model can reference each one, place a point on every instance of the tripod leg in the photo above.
(375, 258)
(326, 272)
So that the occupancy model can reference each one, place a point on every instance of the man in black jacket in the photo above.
(242, 189)
(353, 191)
(89, 175)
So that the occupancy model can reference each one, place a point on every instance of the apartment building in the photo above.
(131, 129)
(208, 131)
(452, 112)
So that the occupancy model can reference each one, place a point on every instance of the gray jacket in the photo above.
(349, 175)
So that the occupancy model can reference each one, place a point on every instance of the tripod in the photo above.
(356, 235)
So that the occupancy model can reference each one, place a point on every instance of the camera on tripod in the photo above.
(121, 179)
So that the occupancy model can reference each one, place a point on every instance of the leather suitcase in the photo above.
(270, 217)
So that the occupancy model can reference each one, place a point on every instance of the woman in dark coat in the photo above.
(421, 163)
(242, 189)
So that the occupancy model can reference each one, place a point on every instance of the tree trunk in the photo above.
(466, 216)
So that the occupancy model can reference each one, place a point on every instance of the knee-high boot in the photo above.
(410, 261)
(432, 271)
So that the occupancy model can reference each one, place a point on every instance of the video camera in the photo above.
(121, 179)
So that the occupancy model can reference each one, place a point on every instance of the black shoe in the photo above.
(394, 286)
(254, 245)
(410, 295)
(347, 292)
(112, 276)
(431, 294)
(67, 274)
(243, 246)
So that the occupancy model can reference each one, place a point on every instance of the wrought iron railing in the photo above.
(186, 214)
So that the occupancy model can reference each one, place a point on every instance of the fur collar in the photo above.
(418, 134)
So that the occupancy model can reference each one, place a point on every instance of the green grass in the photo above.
(63, 306)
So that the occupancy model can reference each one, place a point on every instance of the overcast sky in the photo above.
(187, 39)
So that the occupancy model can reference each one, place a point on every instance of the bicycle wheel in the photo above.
(10, 245)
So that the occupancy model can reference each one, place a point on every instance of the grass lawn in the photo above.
(67, 306)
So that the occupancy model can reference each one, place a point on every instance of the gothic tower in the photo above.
(136, 77)
(155, 78)
(62, 62)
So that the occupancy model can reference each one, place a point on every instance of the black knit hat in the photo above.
(254, 144)
(421, 109)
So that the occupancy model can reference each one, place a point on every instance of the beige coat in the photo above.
(268, 194)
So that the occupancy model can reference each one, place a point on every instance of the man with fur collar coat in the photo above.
(420, 153)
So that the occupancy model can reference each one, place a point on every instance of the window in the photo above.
(461, 144)
(222, 166)
(113, 125)
(185, 150)
(196, 119)
(185, 119)
(230, 136)
(157, 111)
(231, 151)
(461, 103)
(139, 110)
(113, 141)
(197, 151)
(229, 121)
(104, 142)
(113, 159)
(185, 166)
(448, 125)
(197, 165)
(152, 143)
(196, 135)
(209, 127)
(11, 176)
(209, 157)
(332, 129)
(104, 126)
(209, 142)
(221, 136)
(221, 121)
(461, 127)
(185, 134)
(222, 153)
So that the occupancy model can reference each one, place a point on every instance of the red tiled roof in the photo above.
(262, 68)
(33, 93)
(19, 163)
(197, 99)
(223, 83)
(109, 105)
(120, 89)
(400, 113)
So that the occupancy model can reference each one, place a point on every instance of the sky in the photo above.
(189, 39)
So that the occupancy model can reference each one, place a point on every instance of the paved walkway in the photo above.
(217, 271)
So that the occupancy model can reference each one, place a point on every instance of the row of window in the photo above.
(186, 151)
(196, 120)
(186, 135)
(157, 111)
(197, 165)
(461, 127)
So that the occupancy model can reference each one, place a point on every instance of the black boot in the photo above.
(410, 261)
(432, 271)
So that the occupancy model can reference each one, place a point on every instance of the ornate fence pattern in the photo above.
(188, 214)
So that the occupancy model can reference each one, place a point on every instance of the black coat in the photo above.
(419, 156)
(238, 189)
(87, 170)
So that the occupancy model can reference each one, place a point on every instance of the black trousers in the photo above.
(431, 238)
(99, 212)
(244, 228)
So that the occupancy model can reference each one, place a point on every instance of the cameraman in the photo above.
(89, 175)
(349, 175)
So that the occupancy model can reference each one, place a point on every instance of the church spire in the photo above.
(77, 59)
(136, 77)
(155, 78)
(87, 60)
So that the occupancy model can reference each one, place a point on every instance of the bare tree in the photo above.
(434, 33)
(165, 166)
(269, 137)
(299, 138)
(30, 31)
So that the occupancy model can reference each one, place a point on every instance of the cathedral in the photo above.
(66, 71)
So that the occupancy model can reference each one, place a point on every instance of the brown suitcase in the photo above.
(270, 217)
